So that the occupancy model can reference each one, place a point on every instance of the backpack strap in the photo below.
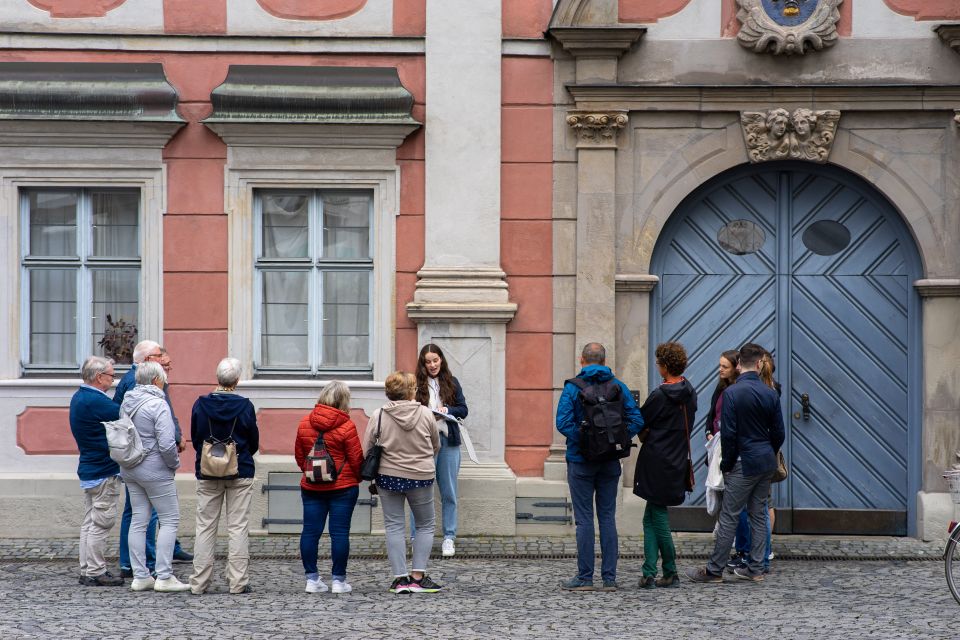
(210, 429)
(579, 383)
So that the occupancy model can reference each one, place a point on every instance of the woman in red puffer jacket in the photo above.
(323, 496)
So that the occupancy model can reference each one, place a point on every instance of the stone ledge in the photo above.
(938, 288)
(950, 34)
(639, 283)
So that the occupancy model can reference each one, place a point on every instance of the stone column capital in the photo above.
(597, 129)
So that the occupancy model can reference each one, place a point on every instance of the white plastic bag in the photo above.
(714, 481)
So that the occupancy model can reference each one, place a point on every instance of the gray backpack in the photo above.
(126, 448)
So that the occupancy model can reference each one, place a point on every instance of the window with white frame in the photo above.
(80, 266)
(314, 281)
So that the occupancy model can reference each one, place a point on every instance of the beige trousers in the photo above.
(99, 516)
(211, 496)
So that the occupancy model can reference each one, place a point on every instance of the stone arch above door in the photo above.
(706, 153)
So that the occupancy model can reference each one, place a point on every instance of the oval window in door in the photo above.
(826, 237)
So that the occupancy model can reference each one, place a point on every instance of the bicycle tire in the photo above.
(950, 561)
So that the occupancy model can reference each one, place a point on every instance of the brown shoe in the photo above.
(744, 574)
(703, 576)
(105, 579)
(669, 581)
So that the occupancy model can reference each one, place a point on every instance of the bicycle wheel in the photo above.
(951, 562)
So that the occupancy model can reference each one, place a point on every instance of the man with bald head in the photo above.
(591, 481)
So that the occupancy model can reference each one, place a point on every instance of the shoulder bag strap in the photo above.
(376, 437)
(686, 428)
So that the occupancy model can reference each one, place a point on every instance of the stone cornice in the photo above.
(311, 95)
(950, 33)
(273, 134)
(86, 91)
(468, 294)
(639, 97)
(98, 134)
(938, 288)
(635, 283)
(596, 128)
(597, 42)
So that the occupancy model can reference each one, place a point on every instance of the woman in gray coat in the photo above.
(151, 483)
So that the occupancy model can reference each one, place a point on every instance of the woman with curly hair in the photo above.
(664, 471)
(438, 390)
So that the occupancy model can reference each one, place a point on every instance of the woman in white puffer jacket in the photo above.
(151, 483)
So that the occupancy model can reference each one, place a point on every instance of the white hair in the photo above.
(142, 349)
(228, 372)
(147, 372)
(94, 366)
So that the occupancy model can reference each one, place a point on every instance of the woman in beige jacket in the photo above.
(410, 440)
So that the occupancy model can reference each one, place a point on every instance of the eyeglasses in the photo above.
(112, 374)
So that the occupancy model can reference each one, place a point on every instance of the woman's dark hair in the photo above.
(447, 391)
(733, 357)
(673, 357)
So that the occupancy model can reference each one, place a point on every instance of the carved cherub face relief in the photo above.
(777, 122)
(803, 122)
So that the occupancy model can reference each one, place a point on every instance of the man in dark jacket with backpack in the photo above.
(599, 418)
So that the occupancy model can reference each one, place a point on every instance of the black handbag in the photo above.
(371, 461)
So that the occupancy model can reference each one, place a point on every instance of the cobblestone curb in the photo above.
(689, 545)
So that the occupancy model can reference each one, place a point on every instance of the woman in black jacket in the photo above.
(664, 471)
(440, 391)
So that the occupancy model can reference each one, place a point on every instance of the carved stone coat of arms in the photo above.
(790, 27)
(778, 134)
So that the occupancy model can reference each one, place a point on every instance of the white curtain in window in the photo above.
(346, 318)
(346, 225)
(286, 231)
(53, 316)
(115, 294)
(53, 223)
(284, 326)
(115, 224)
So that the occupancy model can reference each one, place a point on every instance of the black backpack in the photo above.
(603, 431)
(321, 469)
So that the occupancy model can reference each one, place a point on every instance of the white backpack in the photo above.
(126, 448)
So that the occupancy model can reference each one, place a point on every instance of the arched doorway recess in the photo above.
(813, 263)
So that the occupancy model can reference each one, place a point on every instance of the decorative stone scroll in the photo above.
(788, 27)
(597, 128)
(778, 134)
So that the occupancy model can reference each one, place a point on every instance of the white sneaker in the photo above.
(341, 586)
(448, 549)
(316, 586)
(170, 585)
(142, 584)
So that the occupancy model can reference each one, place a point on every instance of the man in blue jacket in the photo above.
(99, 474)
(751, 434)
(593, 480)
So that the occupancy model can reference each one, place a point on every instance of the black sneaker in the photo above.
(126, 572)
(182, 557)
(106, 579)
(400, 585)
(737, 561)
(86, 582)
(423, 585)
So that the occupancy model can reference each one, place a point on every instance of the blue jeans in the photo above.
(448, 469)
(151, 535)
(598, 481)
(317, 505)
(743, 539)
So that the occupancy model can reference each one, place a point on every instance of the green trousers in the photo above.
(657, 541)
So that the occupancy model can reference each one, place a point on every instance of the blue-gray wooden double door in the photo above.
(810, 263)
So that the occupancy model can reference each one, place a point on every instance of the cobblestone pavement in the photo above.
(689, 545)
(493, 598)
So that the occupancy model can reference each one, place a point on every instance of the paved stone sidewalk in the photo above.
(493, 598)
(689, 545)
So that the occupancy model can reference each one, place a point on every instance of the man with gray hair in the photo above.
(144, 351)
(98, 473)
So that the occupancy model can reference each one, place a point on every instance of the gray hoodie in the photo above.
(154, 423)
(409, 438)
